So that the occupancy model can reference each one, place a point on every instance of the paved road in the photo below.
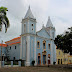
(35, 69)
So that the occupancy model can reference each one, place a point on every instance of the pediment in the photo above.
(43, 33)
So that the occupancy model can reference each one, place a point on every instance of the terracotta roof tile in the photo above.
(13, 39)
(14, 43)
(3, 45)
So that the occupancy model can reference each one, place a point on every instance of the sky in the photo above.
(60, 12)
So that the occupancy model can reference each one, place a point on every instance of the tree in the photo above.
(4, 19)
(64, 41)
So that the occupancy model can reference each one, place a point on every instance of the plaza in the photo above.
(36, 69)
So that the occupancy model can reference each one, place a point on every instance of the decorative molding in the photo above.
(29, 34)
(26, 19)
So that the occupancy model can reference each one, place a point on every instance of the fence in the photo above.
(11, 64)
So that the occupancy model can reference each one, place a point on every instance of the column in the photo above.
(28, 51)
(51, 53)
(11, 63)
(21, 49)
(2, 63)
(19, 63)
(35, 52)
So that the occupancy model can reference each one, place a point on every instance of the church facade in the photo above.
(31, 45)
(38, 46)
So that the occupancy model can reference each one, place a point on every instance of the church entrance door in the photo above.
(44, 59)
(38, 60)
(58, 61)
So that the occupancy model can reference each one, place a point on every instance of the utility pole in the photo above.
(1, 53)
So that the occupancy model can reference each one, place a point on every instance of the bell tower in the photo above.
(28, 29)
(51, 30)
(28, 23)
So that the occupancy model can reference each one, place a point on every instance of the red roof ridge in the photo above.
(13, 39)
(3, 45)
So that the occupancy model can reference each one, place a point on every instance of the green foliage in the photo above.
(3, 10)
(33, 62)
(4, 19)
(64, 41)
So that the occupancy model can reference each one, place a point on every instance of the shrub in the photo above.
(33, 62)
(54, 63)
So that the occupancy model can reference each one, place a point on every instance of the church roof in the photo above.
(49, 23)
(44, 29)
(29, 14)
(3, 45)
(13, 41)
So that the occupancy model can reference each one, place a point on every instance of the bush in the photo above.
(33, 62)
(8, 63)
(15, 62)
(54, 63)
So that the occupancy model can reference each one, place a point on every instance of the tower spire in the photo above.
(29, 14)
(29, 6)
(49, 23)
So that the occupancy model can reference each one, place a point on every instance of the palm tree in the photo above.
(4, 19)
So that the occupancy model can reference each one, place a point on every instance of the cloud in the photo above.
(60, 12)
(60, 26)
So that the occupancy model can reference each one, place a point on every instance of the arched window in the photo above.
(15, 47)
(38, 44)
(39, 59)
(49, 46)
(24, 27)
(44, 44)
(10, 48)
